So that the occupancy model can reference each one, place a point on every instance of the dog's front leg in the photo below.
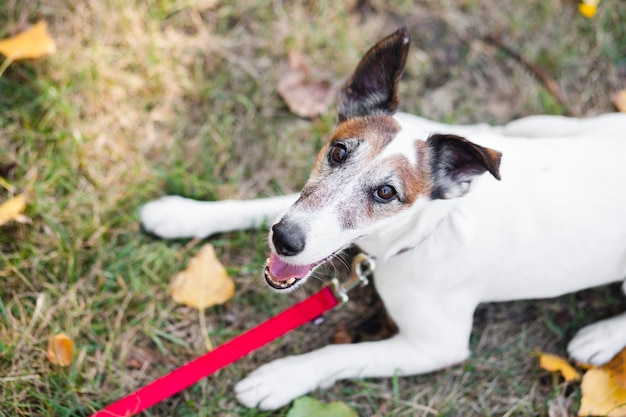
(174, 217)
(599, 342)
(277, 383)
(434, 333)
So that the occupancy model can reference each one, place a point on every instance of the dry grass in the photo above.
(174, 96)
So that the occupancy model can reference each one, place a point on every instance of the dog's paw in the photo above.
(174, 217)
(598, 343)
(278, 383)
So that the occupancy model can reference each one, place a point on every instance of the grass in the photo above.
(145, 98)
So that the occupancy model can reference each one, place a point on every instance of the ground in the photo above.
(147, 98)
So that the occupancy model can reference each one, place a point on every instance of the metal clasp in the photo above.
(362, 270)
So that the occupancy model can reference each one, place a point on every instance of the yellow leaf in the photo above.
(617, 367)
(32, 43)
(588, 8)
(203, 283)
(554, 363)
(11, 210)
(601, 395)
(619, 100)
(60, 350)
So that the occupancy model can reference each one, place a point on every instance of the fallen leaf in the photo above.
(588, 8)
(617, 367)
(342, 336)
(601, 395)
(310, 407)
(60, 349)
(12, 209)
(619, 100)
(555, 363)
(138, 358)
(304, 96)
(204, 283)
(32, 43)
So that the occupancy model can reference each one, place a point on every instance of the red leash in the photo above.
(233, 350)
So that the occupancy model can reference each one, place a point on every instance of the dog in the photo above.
(453, 215)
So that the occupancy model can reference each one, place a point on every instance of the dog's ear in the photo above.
(372, 89)
(455, 162)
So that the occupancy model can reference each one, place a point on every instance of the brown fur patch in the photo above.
(377, 130)
(416, 180)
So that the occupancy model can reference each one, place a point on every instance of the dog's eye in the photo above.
(338, 153)
(385, 193)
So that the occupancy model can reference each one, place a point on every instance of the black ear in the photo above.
(372, 89)
(455, 162)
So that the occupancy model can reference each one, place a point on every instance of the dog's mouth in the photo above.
(281, 275)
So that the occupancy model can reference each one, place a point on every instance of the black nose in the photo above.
(288, 238)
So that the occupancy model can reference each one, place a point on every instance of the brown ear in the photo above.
(372, 89)
(455, 162)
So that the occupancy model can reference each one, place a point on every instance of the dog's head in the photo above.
(370, 172)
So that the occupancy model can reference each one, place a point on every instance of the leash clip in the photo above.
(362, 270)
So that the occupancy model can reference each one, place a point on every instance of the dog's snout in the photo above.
(288, 238)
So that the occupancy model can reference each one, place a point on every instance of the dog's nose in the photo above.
(288, 238)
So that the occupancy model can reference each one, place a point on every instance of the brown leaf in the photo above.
(304, 96)
(139, 358)
(33, 43)
(204, 283)
(619, 100)
(60, 350)
(342, 336)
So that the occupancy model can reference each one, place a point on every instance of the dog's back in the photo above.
(561, 200)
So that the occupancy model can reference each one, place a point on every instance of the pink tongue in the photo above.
(282, 271)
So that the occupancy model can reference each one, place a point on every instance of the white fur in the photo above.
(555, 223)
(403, 144)
(174, 217)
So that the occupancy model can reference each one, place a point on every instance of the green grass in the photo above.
(177, 97)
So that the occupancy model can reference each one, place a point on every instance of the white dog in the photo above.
(449, 226)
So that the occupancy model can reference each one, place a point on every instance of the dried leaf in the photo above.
(32, 43)
(601, 395)
(139, 358)
(60, 350)
(617, 367)
(619, 100)
(304, 96)
(204, 283)
(342, 336)
(12, 209)
(555, 363)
